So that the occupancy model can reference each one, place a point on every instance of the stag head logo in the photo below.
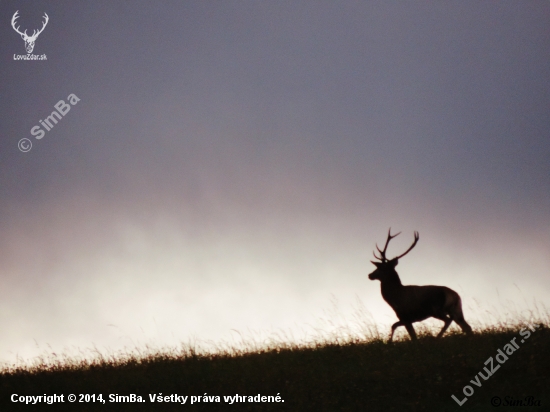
(29, 40)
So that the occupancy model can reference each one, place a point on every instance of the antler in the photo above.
(35, 35)
(383, 257)
(416, 237)
(15, 17)
(24, 34)
(383, 252)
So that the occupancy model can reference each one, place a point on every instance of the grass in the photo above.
(337, 373)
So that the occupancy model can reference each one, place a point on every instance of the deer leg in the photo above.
(464, 326)
(411, 331)
(445, 318)
(458, 317)
(447, 321)
(394, 327)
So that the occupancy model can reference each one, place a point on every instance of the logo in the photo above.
(29, 40)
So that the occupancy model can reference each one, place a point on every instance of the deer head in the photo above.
(29, 40)
(385, 269)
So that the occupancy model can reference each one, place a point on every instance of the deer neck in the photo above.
(391, 286)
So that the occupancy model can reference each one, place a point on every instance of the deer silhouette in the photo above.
(415, 303)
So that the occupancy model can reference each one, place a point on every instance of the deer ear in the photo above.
(394, 262)
(377, 264)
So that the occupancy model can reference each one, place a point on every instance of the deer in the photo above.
(415, 303)
(29, 40)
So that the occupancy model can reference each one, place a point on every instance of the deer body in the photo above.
(416, 303)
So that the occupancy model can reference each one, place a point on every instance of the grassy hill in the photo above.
(353, 376)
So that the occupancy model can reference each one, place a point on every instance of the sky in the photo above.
(226, 168)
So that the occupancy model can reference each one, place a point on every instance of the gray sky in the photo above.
(231, 165)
